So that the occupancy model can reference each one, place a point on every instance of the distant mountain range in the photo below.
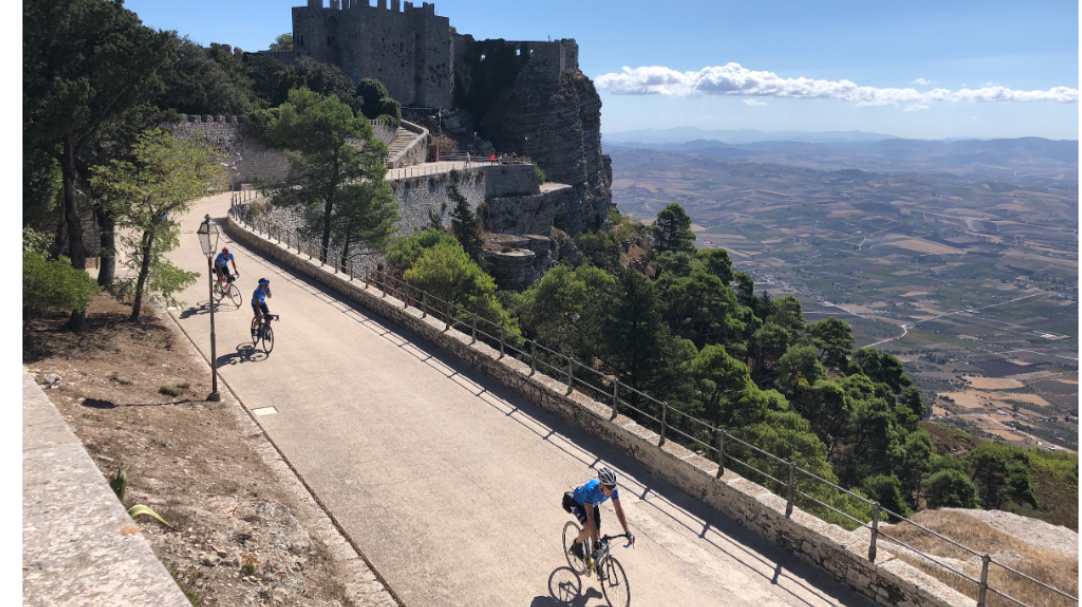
(683, 134)
(1006, 159)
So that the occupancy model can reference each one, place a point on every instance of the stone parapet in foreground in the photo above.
(80, 547)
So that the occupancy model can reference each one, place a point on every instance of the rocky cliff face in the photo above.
(556, 121)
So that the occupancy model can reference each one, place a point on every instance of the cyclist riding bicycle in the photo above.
(583, 502)
(259, 302)
(221, 265)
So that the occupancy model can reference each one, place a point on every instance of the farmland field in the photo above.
(974, 285)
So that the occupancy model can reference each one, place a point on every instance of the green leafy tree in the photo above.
(51, 286)
(716, 262)
(636, 340)
(599, 249)
(672, 230)
(365, 215)
(198, 84)
(828, 411)
(566, 309)
(887, 491)
(41, 184)
(271, 79)
(466, 227)
(376, 101)
(834, 339)
(284, 42)
(444, 270)
(786, 312)
(950, 489)
(1000, 473)
(766, 346)
(724, 387)
(89, 67)
(326, 168)
(327, 80)
(874, 443)
(919, 461)
(696, 304)
(798, 369)
(883, 368)
(402, 252)
(147, 195)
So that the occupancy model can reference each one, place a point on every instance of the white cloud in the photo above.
(733, 79)
(921, 81)
(915, 107)
(755, 102)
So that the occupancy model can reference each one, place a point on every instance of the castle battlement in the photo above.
(209, 118)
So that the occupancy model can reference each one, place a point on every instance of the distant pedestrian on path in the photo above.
(512, 158)
(467, 159)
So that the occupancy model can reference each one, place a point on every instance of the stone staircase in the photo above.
(408, 147)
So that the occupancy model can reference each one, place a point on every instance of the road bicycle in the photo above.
(228, 289)
(610, 573)
(264, 332)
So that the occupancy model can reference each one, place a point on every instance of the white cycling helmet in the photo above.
(607, 476)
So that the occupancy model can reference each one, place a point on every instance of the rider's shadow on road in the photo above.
(201, 307)
(246, 353)
(565, 590)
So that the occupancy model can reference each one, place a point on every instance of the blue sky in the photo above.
(870, 66)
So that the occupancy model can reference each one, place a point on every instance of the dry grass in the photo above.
(1052, 568)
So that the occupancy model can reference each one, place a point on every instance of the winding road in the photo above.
(450, 483)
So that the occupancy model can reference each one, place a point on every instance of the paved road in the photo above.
(450, 483)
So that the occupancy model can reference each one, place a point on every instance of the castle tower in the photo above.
(407, 48)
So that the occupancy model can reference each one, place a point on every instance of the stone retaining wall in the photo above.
(80, 547)
(842, 554)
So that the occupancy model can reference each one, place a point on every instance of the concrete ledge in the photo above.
(80, 547)
(840, 553)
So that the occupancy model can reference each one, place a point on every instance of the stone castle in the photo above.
(526, 97)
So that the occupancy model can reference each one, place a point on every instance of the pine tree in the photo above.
(466, 227)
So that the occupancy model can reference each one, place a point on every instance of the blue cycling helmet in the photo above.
(264, 281)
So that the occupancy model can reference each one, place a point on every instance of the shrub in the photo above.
(54, 286)
(950, 489)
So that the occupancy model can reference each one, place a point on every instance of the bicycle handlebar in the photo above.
(606, 538)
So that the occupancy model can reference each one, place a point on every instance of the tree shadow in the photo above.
(221, 306)
(246, 353)
(565, 590)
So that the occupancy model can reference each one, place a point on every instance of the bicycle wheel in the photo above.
(615, 587)
(268, 339)
(234, 294)
(255, 330)
(571, 531)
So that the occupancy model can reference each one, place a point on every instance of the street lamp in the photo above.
(208, 239)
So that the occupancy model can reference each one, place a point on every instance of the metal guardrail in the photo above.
(606, 388)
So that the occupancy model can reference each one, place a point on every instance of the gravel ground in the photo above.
(134, 394)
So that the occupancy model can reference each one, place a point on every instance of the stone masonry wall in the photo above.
(842, 554)
(249, 158)
(418, 196)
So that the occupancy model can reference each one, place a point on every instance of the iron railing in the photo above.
(669, 421)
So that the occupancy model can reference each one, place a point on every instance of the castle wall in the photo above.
(407, 48)
(249, 159)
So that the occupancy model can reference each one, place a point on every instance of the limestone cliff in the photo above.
(555, 119)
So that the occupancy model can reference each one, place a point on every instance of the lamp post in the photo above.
(208, 239)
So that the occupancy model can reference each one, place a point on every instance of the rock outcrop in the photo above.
(556, 121)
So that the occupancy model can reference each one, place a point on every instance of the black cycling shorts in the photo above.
(573, 507)
(224, 271)
(256, 308)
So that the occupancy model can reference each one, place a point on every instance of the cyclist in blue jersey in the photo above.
(259, 302)
(221, 265)
(583, 502)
